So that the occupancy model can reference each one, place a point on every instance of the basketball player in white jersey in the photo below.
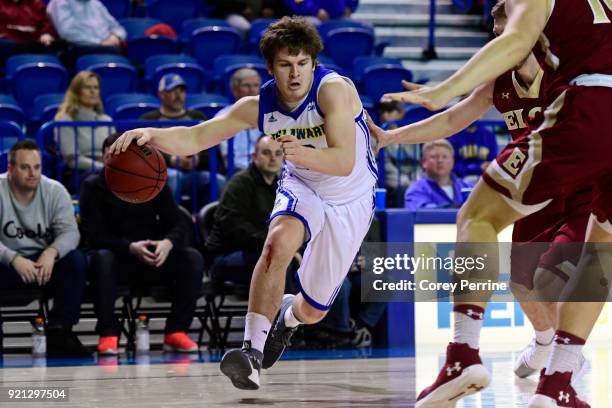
(325, 194)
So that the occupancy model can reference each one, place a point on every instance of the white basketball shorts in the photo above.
(334, 234)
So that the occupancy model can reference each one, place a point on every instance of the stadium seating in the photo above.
(29, 75)
(226, 65)
(173, 12)
(189, 26)
(380, 79)
(10, 133)
(208, 43)
(187, 67)
(139, 46)
(10, 110)
(130, 106)
(118, 8)
(208, 104)
(254, 35)
(343, 45)
(45, 106)
(363, 62)
(116, 73)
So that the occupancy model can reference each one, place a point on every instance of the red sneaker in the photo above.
(556, 391)
(462, 375)
(179, 342)
(108, 346)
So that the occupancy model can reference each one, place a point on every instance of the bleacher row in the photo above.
(206, 56)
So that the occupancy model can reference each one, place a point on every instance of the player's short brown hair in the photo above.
(499, 10)
(293, 33)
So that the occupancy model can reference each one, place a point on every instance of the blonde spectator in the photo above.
(82, 103)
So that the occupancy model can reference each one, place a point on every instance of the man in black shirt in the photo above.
(241, 220)
(139, 244)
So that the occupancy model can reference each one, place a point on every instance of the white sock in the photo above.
(467, 330)
(545, 337)
(256, 329)
(290, 319)
(564, 357)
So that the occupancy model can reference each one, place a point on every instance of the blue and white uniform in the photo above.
(335, 210)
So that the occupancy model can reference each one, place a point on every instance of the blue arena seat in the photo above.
(257, 28)
(45, 106)
(10, 133)
(326, 27)
(116, 73)
(118, 8)
(30, 75)
(139, 46)
(157, 66)
(130, 106)
(343, 45)
(327, 62)
(136, 27)
(380, 79)
(208, 104)
(173, 12)
(226, 65)
(189, 26)
(10, 110)
(365, 61)
(208, 43)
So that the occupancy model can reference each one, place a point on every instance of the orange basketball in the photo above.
(136, 175)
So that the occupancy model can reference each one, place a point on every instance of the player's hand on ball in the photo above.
(293, 151)
(142, 136)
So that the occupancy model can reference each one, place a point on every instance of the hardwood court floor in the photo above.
(364, 382)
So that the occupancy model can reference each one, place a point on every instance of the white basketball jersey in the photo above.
(306, 123)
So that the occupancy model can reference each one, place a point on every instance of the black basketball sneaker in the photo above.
(280, 335)
(242, 366)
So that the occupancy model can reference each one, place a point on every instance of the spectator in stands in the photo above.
(240, 223)
(183, 170)
(322, 10)
(38, 242)
(244, 82)
(87, 25)
(139, 244)
(400, 161)
(438, 188)
(25, 22)
(82, 103)
(240, 13)
(475, 147)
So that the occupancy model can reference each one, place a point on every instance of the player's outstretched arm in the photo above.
(442, 125)
(184, 141)
(338, 101)
(526, 21)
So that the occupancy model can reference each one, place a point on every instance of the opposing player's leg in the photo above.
(584, 298)
(285, 236)
(327, 260)
(485, 214)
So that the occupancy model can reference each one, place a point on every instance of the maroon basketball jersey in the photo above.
(577, 40)
(519, 106)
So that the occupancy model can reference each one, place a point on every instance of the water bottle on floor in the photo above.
(39, 338)
(142, 335)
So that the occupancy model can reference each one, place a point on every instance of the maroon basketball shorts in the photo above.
(572, 149)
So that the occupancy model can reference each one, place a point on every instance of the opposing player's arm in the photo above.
(449, 122)
(184, 141)
(526, 21)
(337, 101)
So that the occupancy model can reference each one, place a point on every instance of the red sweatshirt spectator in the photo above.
(25, 21)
